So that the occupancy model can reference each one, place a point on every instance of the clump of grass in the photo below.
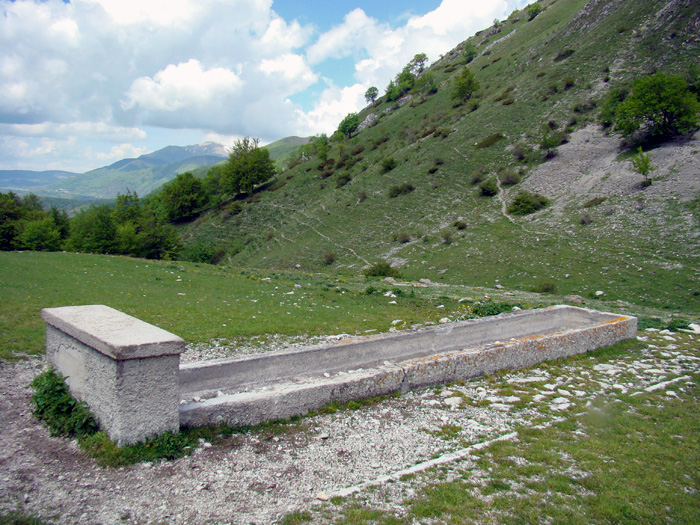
(673, 325)
(460, 225)
(166, 446)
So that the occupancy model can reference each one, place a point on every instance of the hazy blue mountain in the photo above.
(142, 174)
(26, 179)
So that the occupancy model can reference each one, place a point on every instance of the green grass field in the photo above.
(202, 302)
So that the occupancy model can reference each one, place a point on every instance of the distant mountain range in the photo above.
(142, 175)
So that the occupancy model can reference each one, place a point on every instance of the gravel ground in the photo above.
(260, 476)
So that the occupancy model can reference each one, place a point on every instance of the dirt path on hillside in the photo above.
(259, 477)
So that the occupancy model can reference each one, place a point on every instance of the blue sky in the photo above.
(90, 82)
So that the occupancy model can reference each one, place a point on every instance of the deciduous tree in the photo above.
(349, 124)
(247, 166)
(465, 85)
(371, 95)
(660, 105)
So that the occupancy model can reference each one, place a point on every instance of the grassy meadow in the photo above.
(201, 302)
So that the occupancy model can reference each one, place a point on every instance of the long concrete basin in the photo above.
(254, 389)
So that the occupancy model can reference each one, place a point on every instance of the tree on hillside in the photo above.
(25, 225)
(127, 208)
(39, 235)
(349, 124)
(417, 63)
(465, 85)
(371, 95)
(659, 105)
(426, 85)
(469, 52)
(93, 231)
(533, 10)
(641, 163)
(247, 166)
(182, 197)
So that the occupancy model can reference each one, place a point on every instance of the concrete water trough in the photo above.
(265, 387)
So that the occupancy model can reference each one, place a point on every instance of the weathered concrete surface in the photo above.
(251, 390)
(126, 370)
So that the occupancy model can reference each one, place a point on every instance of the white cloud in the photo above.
(122, 151)
(102, 70)
(83, 130)
(180, 86)
(341, 40)
(334, 104)
(293, 69)
(161, 12)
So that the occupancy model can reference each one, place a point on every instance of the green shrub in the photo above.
(460, 225)
(329, 258)
(477, 177)
(200, 252)
(489, 188)
(401, 189)
(446, 236)
(486, 308)
(595, 201)
(564, 54)
(509, 177)
(53, 404)
(544, 288)
(382, 269)
(526, 202)
(524, 153)
(490, 140)
(342, 180)
(403, 238)
(533, 10)
(388, 164)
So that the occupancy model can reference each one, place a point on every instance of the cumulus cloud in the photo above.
(103, 71)
(122, 151)
(185, 85)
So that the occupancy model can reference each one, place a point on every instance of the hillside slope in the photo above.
(538, 78)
